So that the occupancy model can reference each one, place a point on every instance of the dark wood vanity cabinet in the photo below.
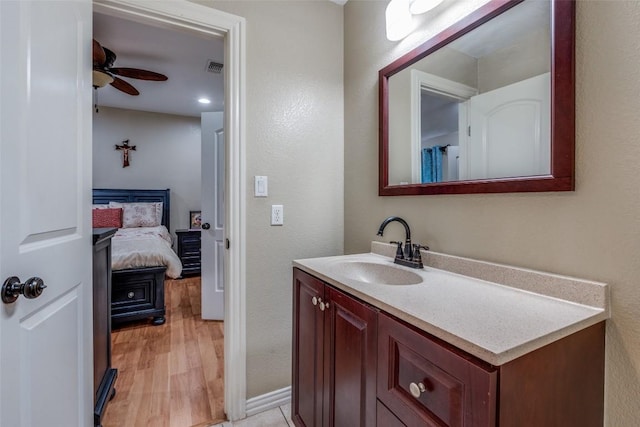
(334, 361)
(354, 365)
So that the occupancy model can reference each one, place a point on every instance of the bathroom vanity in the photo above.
(458, 343)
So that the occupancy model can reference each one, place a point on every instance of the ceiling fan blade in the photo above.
(136, 73)
(99, 57)
(124, 86)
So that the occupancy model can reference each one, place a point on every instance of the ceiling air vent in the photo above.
(214, 67)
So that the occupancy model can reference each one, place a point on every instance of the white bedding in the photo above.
(144, 247)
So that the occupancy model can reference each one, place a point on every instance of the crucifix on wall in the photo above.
(125, 147)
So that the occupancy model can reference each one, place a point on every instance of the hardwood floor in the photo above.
(169, 375)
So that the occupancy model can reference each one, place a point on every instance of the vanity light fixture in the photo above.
(398, 16)
(398, 20)
(204, 101)
(417, 7)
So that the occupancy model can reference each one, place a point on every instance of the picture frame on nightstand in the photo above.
(195, 220)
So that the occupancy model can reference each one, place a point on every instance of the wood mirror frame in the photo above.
(562, 147)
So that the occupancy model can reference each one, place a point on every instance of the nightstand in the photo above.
(189, 251)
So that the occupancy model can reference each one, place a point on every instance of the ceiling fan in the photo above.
(104, 73)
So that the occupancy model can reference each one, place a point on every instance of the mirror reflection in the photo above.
(478, 108)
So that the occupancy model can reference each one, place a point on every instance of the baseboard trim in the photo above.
(268, 401)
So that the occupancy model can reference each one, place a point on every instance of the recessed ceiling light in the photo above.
(204, 101)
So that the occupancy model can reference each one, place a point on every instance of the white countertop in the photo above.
(496, 323)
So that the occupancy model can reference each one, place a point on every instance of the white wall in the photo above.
(167, 156)
(593, 232)
(295, 136)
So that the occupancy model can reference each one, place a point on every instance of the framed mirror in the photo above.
(486, 106)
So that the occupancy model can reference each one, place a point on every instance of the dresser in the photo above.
(189, 251)
(104, 376)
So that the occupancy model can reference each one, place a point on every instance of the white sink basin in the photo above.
(381, 274)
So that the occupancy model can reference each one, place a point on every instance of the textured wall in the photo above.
(295, 137)
(593, 233)
(164, 142)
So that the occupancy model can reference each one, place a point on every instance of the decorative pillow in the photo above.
(104, 206)
(140, 214)
(109, 217)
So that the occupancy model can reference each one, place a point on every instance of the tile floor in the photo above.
(276, 417)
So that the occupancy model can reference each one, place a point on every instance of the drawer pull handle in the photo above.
(417, 389)
(131, 295)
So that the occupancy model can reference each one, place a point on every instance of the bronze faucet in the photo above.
(410, 256)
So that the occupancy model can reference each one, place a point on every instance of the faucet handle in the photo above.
(399, 251)
(416, 252)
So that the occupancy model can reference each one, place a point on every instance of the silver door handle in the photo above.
(12, 289)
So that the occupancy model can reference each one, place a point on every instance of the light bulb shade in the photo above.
(421, 6)
(398, 19)
(101, 79)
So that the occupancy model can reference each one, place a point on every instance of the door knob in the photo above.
(206, 226)
(12, 288)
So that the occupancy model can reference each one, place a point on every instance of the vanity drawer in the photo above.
(452, 389)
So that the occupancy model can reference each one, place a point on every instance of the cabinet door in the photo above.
(350, 362)
(308, 335)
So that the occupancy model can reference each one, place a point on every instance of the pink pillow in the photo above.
(111, 217)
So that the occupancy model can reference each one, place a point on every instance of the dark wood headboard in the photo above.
(102, 196)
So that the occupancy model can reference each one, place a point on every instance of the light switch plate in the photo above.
(260, 186)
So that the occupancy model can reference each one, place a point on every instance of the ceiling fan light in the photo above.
(421, 6)
(398, 20)
(101, 79)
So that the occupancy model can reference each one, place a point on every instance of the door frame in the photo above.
(183, 15)
(420, 81)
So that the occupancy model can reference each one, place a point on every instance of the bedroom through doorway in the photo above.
(160, 368)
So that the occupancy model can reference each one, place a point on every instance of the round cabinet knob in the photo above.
(130, 295)
(314, 301)
(324, 305)
(12, 289)
(417, 389)
(206, 226)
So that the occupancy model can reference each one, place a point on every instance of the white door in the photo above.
(46, 368)
(212, 199)
(509, 131)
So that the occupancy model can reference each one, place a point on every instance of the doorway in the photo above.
(201, 20)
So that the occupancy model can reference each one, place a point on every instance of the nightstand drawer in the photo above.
(425, 383)
(190, 260)
(192, 250)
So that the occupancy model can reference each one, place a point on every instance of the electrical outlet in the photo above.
(277, 215)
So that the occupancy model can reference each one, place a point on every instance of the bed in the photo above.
(141, 253)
